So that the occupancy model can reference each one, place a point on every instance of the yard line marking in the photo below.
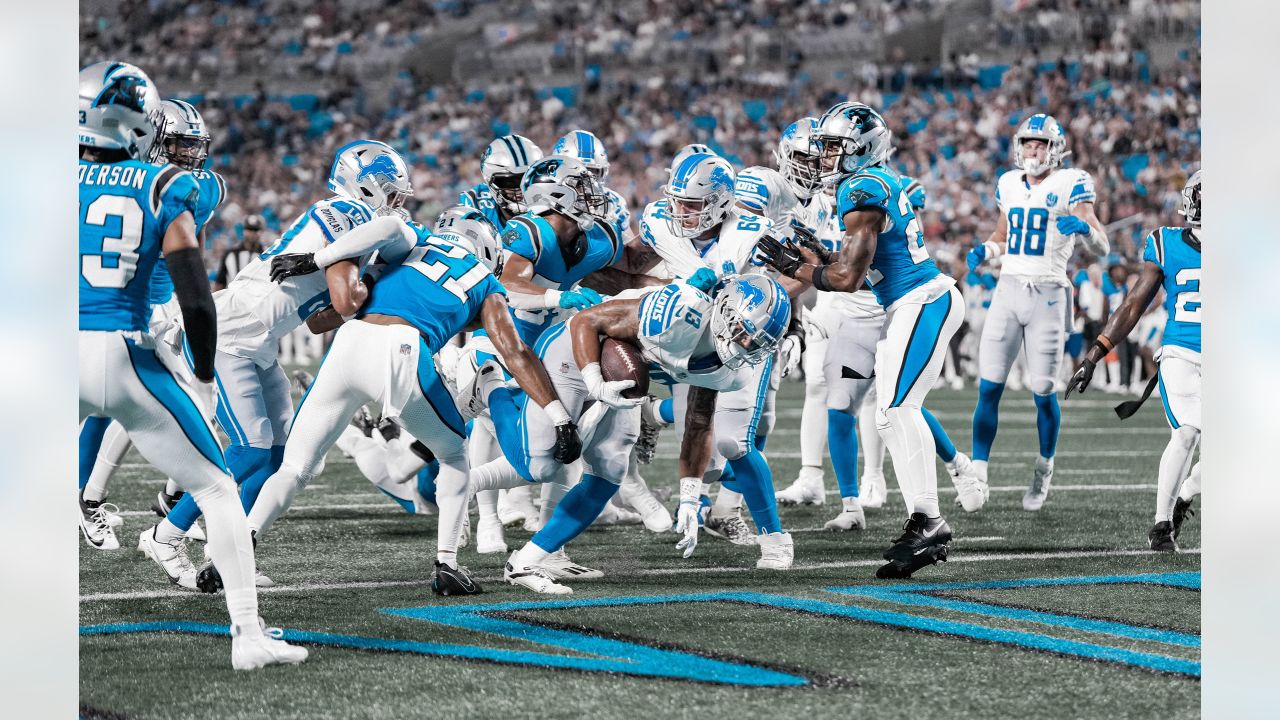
(649, 572)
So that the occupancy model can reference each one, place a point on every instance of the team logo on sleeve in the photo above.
(509, 237)
(858, 196)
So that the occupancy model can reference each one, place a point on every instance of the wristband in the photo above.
(555, 410)
(1105, 343)
(994, 249)
(820, 279)
(591, 374)
(690, 489)
(551, 298)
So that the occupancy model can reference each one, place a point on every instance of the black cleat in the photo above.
(164, 502)
(1181, 510)
(1161, 537)
(362, 422)
(923, 542)
(389, 429)
(209, 580)
(453, 581)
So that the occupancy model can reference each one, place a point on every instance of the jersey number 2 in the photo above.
(123, 245)
(1187, 306)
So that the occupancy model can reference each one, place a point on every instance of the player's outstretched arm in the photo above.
(524, 294)
(346, 291)
(389, 235)
(862, 227)
(191, 285)
(1119, 325)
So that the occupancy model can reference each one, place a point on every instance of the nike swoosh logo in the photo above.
(931, 533)
(1053, 302)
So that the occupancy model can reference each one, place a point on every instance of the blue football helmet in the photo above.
(373, 173)
(469, 228)
(748, 320)
(1191, 200)
(563, 184)
(1040, 127)
(119, 109)
(699, 194)
(586, 147)
(184, 140)
(853, 137)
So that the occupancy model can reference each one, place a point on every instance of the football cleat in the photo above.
(515, 506)
(489, 537)
(1033, 499)
(732, 528)
(650, 428)
(777, 551)
(172, 558)
(559, 567)
(924, 541)
(95, 524)
(450, 581)
(972, 492)
(874, 491)
(534, 578)
(656, 516)
(363, 422)
(850, 518)
(1181, 511)
(473, 397)
(1162, 536)
(262, 649)
(164, 503)
(808, 489)
(614, 515)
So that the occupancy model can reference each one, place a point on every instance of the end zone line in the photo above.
(746, 567)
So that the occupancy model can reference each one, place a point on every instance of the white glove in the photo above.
(789, 354)
(206, 396)
(690, 515)
(609, 393)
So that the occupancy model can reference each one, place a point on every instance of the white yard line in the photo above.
(745, 567)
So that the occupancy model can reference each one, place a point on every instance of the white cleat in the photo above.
(473, 396)
(489, 537)
(196, 533)
(730, 527)
(972, 491)
(559, 567)
(614, 515)
(808, 489)
(656, 516)
(515, 506)
(1033, 499)
(113, 519)
(850, 518)
(534, 578)
(96, 525)
(874, 491)
(250, 652)
(777, 551)
(172, 558)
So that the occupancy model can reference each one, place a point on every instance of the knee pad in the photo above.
(731, 447)
(1041, 385)
(612, 469)
(1186, 436)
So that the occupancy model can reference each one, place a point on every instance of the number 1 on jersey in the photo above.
(458, 282)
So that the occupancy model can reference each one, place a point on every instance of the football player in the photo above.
(131, 211)
(883, 244)
(587, 147)
(1044, 209)
(503, 165)
(1171, 262)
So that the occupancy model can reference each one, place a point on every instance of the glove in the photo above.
(704, 279)
(568, 444)
(1080, 381)
(609, 393)
(1072, 225)
(977, 256)
(690, 515)
(286, 266)
(789, 354)
(579, 299)
(808, 241)
(784, 259)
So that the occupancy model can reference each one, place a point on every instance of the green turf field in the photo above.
(1113, 633)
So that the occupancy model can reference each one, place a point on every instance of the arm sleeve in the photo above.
(389, 235)
(751, 191)
(199, 318)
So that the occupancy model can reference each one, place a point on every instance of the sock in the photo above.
(91, 434)
(941, 441)
(842, 438)
(869, 436)
(1048, 420)
(1191, 486)
(667, 411)
(530, 554)
(576, 511)
(231, 548)
(447, 557)
(167, 532)
(728, 501)
(986, 418)
(487, 505)
(453, 489)
(813, 425)
(911, 446)
(756, 483)
(115, 445)
(760, 442)
(1175, 463)
(850, 503)
(728, 479)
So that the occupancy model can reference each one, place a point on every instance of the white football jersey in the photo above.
(1035, 248)
(766, 193)
(675, 337)
(254, 312)
(819, 216)
(726, 253)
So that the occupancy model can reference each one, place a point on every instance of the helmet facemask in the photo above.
(802, 171)
(188, 152)
(738, 342)
(591, 200)
(1191, 201)
(507, 192)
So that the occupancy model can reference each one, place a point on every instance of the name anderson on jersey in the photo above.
(99, 174)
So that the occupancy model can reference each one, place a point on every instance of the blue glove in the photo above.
(579, 299)
(1072, 225)
(704, 279)
(977, 256)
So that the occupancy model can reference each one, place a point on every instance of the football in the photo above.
(622, 361)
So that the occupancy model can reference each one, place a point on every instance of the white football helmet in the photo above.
(469, 228)
(586, 147)
(1040, 127)
(799, 157)
(119, 109)
(563, 184)
(854, 137)
(748, 319)
(685, 152)
(1191, 200)
(373, 173)
(184, 140)
(699, 194)
(503, 165)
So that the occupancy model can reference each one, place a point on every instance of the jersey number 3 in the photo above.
(123, 245)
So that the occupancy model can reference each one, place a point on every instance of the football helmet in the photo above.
(853, 137)
(686, 151)
(699, 194)
(1191, 200)
(748, 320)
(586, 147)
(184, 140)
(799, 157)
(119, 109)
(1040, 127)
(373, 173)
(467, 227)
(563, 184)
(503, 165)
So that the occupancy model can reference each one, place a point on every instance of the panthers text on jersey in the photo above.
(901, 262)
(212, 190)
(1034, 248)
(125, 209)
(254, 312)
(675, 338)
(439, 289)
(1176, 251)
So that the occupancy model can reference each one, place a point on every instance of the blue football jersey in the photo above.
(901, 262)
(481, 198)
(914, 191)
(1176, 251)
(439, 289)
(212, 191)
(125, 209)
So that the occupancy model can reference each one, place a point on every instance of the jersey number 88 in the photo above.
(1029, 225)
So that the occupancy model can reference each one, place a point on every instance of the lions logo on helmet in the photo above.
(565, 185)
(748, 320)
(854, 137)
(699, 194)
(503, 165)
(373, 173)
(119, 109)
(472, 230)
(586, 147)
(1191, 200)
(1044, 128)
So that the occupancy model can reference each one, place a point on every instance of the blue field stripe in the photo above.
(162, 385)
